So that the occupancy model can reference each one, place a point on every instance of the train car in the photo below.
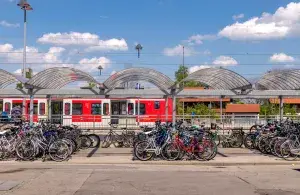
(95, 113)
(124, 112)
(39, 107)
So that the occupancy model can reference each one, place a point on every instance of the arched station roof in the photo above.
(154, 77)
(7, 78)
(219, 78)
(280, 80)
(56, 78)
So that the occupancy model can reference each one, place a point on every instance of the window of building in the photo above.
(67, 108)
(156, 105)
(142, 109)
(77, 109)
(42, 108)
(130, 109)
(96, 109)
(7, 107)
(106, 109)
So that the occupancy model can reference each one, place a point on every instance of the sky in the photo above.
(249, 37)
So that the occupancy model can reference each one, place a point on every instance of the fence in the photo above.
(134, 122)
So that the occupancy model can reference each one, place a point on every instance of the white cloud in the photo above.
(198, 39)
(9, 25)
(196, 68)
(225, 61)
(281, 57)
(92, 41)
(91, 65)
(18, 72)
(111, 44)
(34, 56)
(178, 51)
(283, 23)
(239, 16)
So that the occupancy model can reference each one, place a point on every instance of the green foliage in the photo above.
(181, 74)
(19, 86)
(198, 109)
(92, 85)
(269, 109)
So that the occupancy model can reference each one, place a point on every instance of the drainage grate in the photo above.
(220, 167)
(297, 170)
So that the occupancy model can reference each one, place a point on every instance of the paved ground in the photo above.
(59, 179)
(225, 157)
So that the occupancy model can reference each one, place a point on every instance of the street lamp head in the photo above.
(24, 5)
(100, 68)
(138, 47)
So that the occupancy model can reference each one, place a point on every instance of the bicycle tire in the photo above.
(58, 151)
(106, 141)
(95, 140)
(168, 155)
(27, 154)
(85, 142)
(286, 152)
(140, 152)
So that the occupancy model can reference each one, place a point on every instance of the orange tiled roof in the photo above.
(285, 101)
(242, 108)
(203, 100)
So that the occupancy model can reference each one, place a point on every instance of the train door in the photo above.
(131, 112)
(118, 111)
(35, 110)
(57, 111)
(106, 112)
(42, 109)
(67, 112)
(7, 106)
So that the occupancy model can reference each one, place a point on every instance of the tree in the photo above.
(268, 109)
(197, 109)
(181, 74)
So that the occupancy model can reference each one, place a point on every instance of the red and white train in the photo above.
(95, 112)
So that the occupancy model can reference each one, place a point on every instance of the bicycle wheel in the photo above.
(236, 140)
(107, 141)
(95, 140)
(277, 147)
(286, 151)
(85, 142)
(59, 151)
(141, 151)
(25, 149)
(249, 141)
(171, 152)
(70, 145)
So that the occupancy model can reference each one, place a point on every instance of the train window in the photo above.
(7, 107)
(130, 109)
(142, 109)
(156, 105)
(67, 109)
(35, 108)
(105, 109)
(96, 109)
(42, 108)
(77, 109)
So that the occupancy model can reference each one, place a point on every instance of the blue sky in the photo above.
(85, 34)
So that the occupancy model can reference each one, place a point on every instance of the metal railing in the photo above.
(98, 122)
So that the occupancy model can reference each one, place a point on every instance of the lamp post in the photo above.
(100, 68)
(25, 6)
(138, 47)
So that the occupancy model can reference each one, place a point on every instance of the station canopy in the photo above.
(219, 78)
(154, 77)
(280, 80)
(56, 78)
(7, 79)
